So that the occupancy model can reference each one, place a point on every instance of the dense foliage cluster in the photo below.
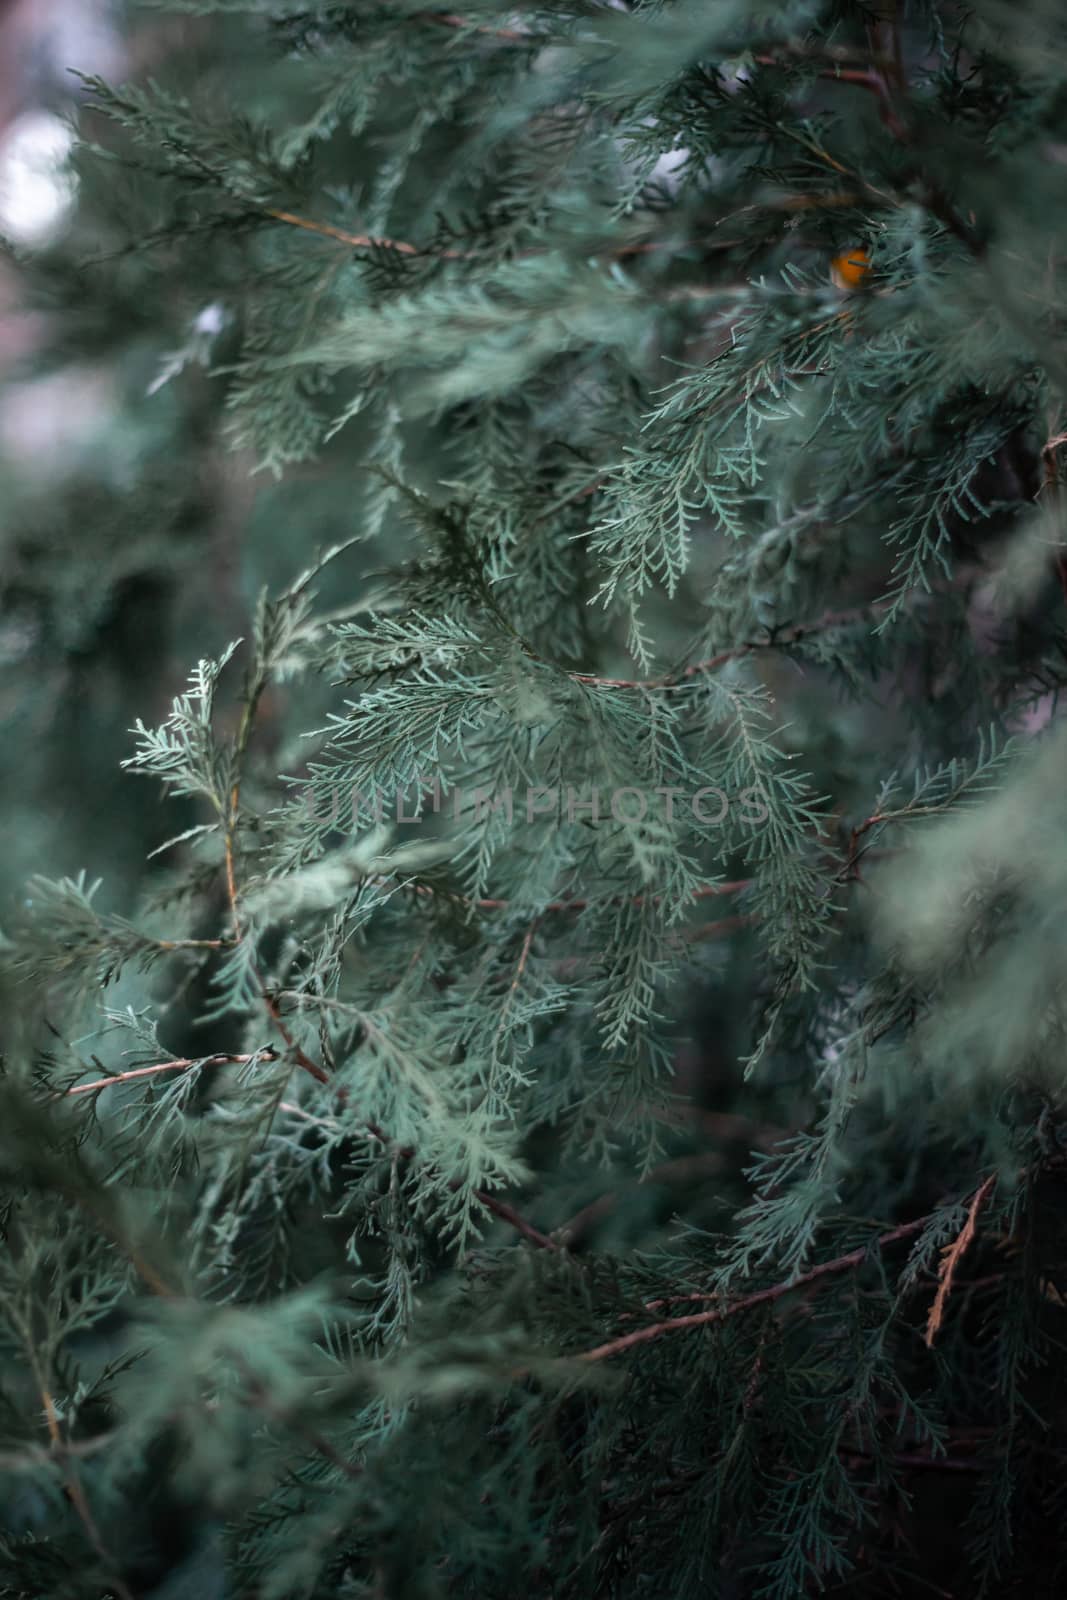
(573, 1104)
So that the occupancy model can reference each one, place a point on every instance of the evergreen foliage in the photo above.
(573, 1103)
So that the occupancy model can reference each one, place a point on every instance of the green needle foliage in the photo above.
(574, 1105)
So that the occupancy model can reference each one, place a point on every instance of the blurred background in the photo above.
(133, 538)
(87, 572)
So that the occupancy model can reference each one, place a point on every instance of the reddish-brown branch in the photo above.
(524, 956)
(951, 1257)
(514, 1219)
(300, 1056)
(619, 252)
(357, 241)
(566, 967)
(870, 78)
(851, 867)
(970, 1286)
(231, 879)
(244, 734)
(180, 1064)
(703, 1319)
(500, 1208)
(403, 247)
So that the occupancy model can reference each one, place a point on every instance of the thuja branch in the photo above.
(762, 1297)
(705, 892)
(872, 77)
(612, 252)
(20, 1318)
(253, 693)
(617, 252)
(356, 241)
(499, 1208)
(697, 669)
(179, 1064)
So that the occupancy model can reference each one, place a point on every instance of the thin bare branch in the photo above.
(762, 1297)
(951, 1256)
(179, 1064)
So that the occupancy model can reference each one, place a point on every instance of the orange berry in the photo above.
(849, 269)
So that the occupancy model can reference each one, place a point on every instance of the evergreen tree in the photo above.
(574, 1103)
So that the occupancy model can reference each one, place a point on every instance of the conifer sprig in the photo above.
(410, 1195)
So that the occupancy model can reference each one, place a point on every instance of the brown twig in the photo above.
(300, 1056)
(244, 734)
(870, 77)
(524, 956)
(951, 1256)
(179, 1064)
(567, 966)
(507, 1213)
(619, 252)
(499, 1208)
(403, 247)
(703, 1319)
(357, 241)
(231, 876)
(851, 868)
(834, 55)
